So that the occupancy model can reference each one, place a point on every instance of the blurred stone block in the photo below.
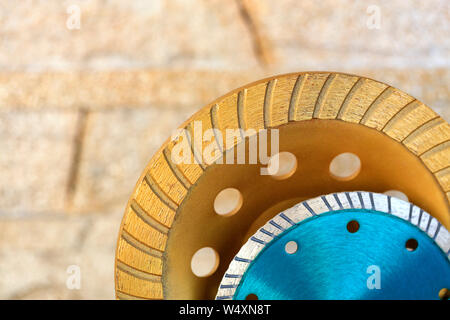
(118, 145)
(334, 35)
(123, 35)
(61, 232)
(118, 89)
(35, 159)
(36, 253)
(35, 274)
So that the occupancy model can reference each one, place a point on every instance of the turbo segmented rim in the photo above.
(290, 218)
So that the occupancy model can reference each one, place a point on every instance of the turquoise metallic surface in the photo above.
(332, 263)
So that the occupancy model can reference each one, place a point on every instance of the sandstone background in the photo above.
(83, 110)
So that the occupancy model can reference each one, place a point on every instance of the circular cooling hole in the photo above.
(345, 166)
(205, 262)
(397, 194)
(353, 226)
(291, 247)
(282, 165)
(411, 244)
(228, 202)
(251, 296)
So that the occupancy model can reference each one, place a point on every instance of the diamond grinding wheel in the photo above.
(314, 231)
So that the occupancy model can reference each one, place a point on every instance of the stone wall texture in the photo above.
(90, 89)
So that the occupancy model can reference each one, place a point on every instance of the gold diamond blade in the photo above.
(401, 142)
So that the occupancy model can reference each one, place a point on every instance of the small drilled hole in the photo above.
(228, 202)
(251, 296)
(282, 165)
(353, 226)
(411, 244)
(444, 294)
(345, 166)
(291, 247)
(397, 194)
(204, 262)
